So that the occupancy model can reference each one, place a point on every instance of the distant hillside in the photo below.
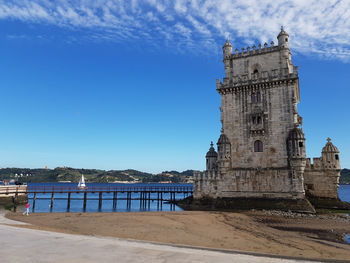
(102, 176)
(91, 175)
(345, 176)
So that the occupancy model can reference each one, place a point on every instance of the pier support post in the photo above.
(84, 205)
(143, 199)
(34, 198)
(161, 200)
(140, 199)
(99, 200)
(52, 197)
(115, 196)
(128, 200)
(157, 200)
(68, 201)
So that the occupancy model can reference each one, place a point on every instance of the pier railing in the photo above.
(12, 189)
(108, 189)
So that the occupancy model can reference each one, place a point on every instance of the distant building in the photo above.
(261, 149)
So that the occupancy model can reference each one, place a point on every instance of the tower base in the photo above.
(239, 204)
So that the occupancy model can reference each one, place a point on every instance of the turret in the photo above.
(330, 156)
(227, 49)
(297, 158)
(296, 144)
(211, 158)
(283, 39)
(224, 152)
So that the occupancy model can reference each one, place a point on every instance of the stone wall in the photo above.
(321, 183)
(249, 183)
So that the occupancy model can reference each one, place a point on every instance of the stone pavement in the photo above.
(28, 245)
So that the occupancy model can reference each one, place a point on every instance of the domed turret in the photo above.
(227, 49)
(296, 143)
(211, 157)
(283, 38)
(329, 147)
(330, 156)
(223, 139)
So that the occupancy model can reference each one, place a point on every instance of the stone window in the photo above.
(258, 120)
(256, 71)
(309, 186)
(258, 146)
(301, 144)
(336, 157)
(254, 120)
(256, 97)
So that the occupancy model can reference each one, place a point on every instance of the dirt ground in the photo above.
(260, 232)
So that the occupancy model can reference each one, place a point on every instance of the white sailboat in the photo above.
(81, 184)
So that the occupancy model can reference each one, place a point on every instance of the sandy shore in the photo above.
(259, 232)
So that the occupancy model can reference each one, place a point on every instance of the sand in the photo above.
(258, 232)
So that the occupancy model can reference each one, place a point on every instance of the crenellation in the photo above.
(253, 51)
(317, 162)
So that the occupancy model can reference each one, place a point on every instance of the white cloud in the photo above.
(320, 27)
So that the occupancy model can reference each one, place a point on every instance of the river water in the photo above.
(344, 192)
(43, 201)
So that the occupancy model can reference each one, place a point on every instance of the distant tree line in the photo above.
(345, 176)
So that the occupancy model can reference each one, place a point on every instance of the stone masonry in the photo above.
(261, 149)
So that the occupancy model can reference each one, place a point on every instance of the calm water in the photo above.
(43, 201)
(344, 192)
(60, 202)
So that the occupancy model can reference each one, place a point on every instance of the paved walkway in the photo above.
(27, 245)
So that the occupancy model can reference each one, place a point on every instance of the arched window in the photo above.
(254, 120)
(256, 71)
(258, 97)
(253, 98)
(258, 146)
(258, 121)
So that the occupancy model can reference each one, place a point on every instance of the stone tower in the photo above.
(261, 149)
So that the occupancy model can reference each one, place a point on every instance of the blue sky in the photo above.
(131, 84)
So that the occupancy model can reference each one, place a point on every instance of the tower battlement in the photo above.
(254, 50)
(259, 64)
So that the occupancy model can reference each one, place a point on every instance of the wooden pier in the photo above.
(143, 194)
(13, 194)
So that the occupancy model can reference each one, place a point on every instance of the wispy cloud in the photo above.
(320, 27)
